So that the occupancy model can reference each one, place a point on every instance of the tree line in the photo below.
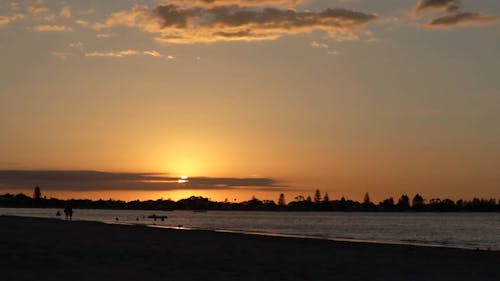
(318, 202)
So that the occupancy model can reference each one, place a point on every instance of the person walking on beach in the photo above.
(68, 212)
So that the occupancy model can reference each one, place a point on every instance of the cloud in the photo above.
(461, 19)
(50, 28)
(4, 20)
(125, 53)
(113, 54)
(316, 44)
(93, 180)
(179, 25)
(82, 22)
(442, 5)
(241, 3)
(65, 12)
(152, 53)
(451, 16)
(38, 8)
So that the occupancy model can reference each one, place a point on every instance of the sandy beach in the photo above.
(46, 249)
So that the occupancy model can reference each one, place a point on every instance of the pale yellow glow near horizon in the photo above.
(183, 179)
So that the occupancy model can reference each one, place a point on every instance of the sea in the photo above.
(455, 230)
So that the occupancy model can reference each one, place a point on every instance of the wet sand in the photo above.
(47, 249)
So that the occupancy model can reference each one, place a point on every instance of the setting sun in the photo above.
(183, 179)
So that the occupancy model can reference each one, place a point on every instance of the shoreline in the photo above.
(277, 234)
(299, 236)
(53, 249)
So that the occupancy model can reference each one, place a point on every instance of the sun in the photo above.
(183, 179)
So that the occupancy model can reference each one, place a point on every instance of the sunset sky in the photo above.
(250, 97)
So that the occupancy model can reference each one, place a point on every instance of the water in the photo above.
(463, 230)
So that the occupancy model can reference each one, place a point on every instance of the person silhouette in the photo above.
(68, 212)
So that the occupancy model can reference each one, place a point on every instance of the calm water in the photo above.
(466, 230)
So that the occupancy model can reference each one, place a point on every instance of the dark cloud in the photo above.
(179, 24)
(94, 180)
(455, 19)
(230, 182)
(241, 3)
(451, 16)
(448, 5)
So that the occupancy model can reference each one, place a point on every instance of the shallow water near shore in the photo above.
(463, 230)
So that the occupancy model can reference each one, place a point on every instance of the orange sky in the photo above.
(385, 97)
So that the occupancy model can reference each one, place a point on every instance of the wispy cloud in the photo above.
(446, 5)
(180, 25)
(461, 19)
(82, 22)
(321, 45)
(38, 8)
(113, 54)
(241, 3)
(152, 53)
(93, 180)
(125, 53)
(4, 20)
(451, 15)
(51, 28)
(316, 44)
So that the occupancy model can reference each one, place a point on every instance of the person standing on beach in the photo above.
(68, 212)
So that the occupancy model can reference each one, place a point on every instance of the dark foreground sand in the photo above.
(44, 249)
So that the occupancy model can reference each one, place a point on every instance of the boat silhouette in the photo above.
(155, 217)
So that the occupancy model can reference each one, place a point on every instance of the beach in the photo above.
(50, 249)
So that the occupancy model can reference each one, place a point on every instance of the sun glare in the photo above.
(183, 179)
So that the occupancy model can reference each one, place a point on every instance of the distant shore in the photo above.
(48, 249)
(301, 204)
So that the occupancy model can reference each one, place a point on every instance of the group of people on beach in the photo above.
(68, 213)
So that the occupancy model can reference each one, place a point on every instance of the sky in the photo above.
(121, 99)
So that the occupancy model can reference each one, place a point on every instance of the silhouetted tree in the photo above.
(317, 197)
(309, 199)
(403, 203)
(300, 198)
(418, 202)
(437, 204)
(37, 194)
(281, 200)
(326, 198)
(367, 204)
(300, 204)
(387, 204)
(366, 199)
